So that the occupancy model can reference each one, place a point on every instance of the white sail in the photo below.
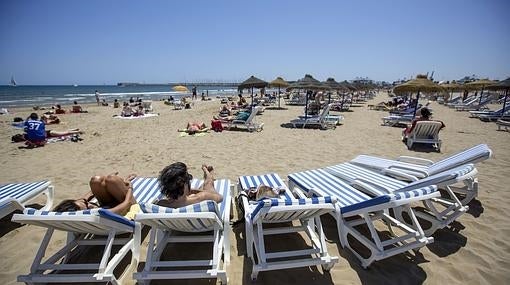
(13, 82)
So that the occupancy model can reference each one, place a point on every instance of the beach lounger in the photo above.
(494, 117)
(250, 123)
(206, 216)
(316, 121)
(501, 124)
(397, 120)
(355, 209)
(288, 208)
(475, 106)
(451, 207)
(84, 228)
(424, 132)
(15, 196)
(496, 113)
(418, 167)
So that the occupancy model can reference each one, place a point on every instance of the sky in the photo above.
(105, 42)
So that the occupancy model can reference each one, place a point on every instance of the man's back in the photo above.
(35, 129)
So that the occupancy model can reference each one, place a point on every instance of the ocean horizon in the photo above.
(49, 95)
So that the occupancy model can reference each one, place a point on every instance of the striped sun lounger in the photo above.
(15, 196)
(85, 228)
(206, 216)
(303, 211)
(355, 208)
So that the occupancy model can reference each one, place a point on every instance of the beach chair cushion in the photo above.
(90, 212)
(18, 190)
(204, 206)
(289, 202)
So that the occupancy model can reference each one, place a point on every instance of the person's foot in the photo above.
(131, 176)
(208, 171)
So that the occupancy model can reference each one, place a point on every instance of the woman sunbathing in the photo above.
(111, 192)
(195, 127)
(176, 186)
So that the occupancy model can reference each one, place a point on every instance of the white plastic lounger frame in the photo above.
(84, 228)
(320, 121)
(15, 196)
(250, 123)
(419, 167)
(306, 212)
(206, 216)
(395, 120)
(503, 124)
(354, 208)
(425, 132)
(376, 184)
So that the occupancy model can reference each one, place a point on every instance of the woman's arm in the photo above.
(124, 206)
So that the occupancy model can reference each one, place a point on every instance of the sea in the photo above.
(50, 95)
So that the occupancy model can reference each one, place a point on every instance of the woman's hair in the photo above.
(67, 205)
(173, 178)
(425, 112)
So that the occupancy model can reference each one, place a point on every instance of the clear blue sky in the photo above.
(96, 42)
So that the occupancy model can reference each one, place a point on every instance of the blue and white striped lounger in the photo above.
(206, 216)
(301, 210)
(355, 208)
(377, 184)
(83, 228)
(419, 167)
(15, 196)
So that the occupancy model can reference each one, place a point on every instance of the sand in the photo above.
(475, 251)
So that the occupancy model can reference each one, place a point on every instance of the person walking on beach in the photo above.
(97, 98)
(194, 90)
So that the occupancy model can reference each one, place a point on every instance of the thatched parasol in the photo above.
(180, 88)
(279, 82)
(252, 82)
(331, 83)
(479, 84)
(502, 85)
(308, 83)
(452, 87)
(420, 84)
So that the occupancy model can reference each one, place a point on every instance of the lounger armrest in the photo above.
(368, 188)
(415, 160)
(394, 172)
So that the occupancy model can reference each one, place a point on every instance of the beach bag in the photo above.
(18, 138)
(255, 194)
(216, 126)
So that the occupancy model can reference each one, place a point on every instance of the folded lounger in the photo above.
(375, 184)
(84, 228)
(355, 208)
(317, 121)
(503, 124)
(14, 196)
(397, 120)
(206, 216)
(250, 123)
(301, 210)
(419, 167)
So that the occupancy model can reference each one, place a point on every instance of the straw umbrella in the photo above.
(421, 83)
(180, 88)
(331, 83)
(502, 85)
(307, 83)
(279, 82)
(252, 82)
(479, 84)
(453, 86)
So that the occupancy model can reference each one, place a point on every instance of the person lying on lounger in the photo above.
(241, 116)
(176, 186)
(112, 192)
(195, 127)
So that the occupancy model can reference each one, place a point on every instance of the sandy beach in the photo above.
(475, 251)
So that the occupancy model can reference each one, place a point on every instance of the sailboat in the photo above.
(13, 82)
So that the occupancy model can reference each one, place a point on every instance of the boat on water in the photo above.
(13, 82)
